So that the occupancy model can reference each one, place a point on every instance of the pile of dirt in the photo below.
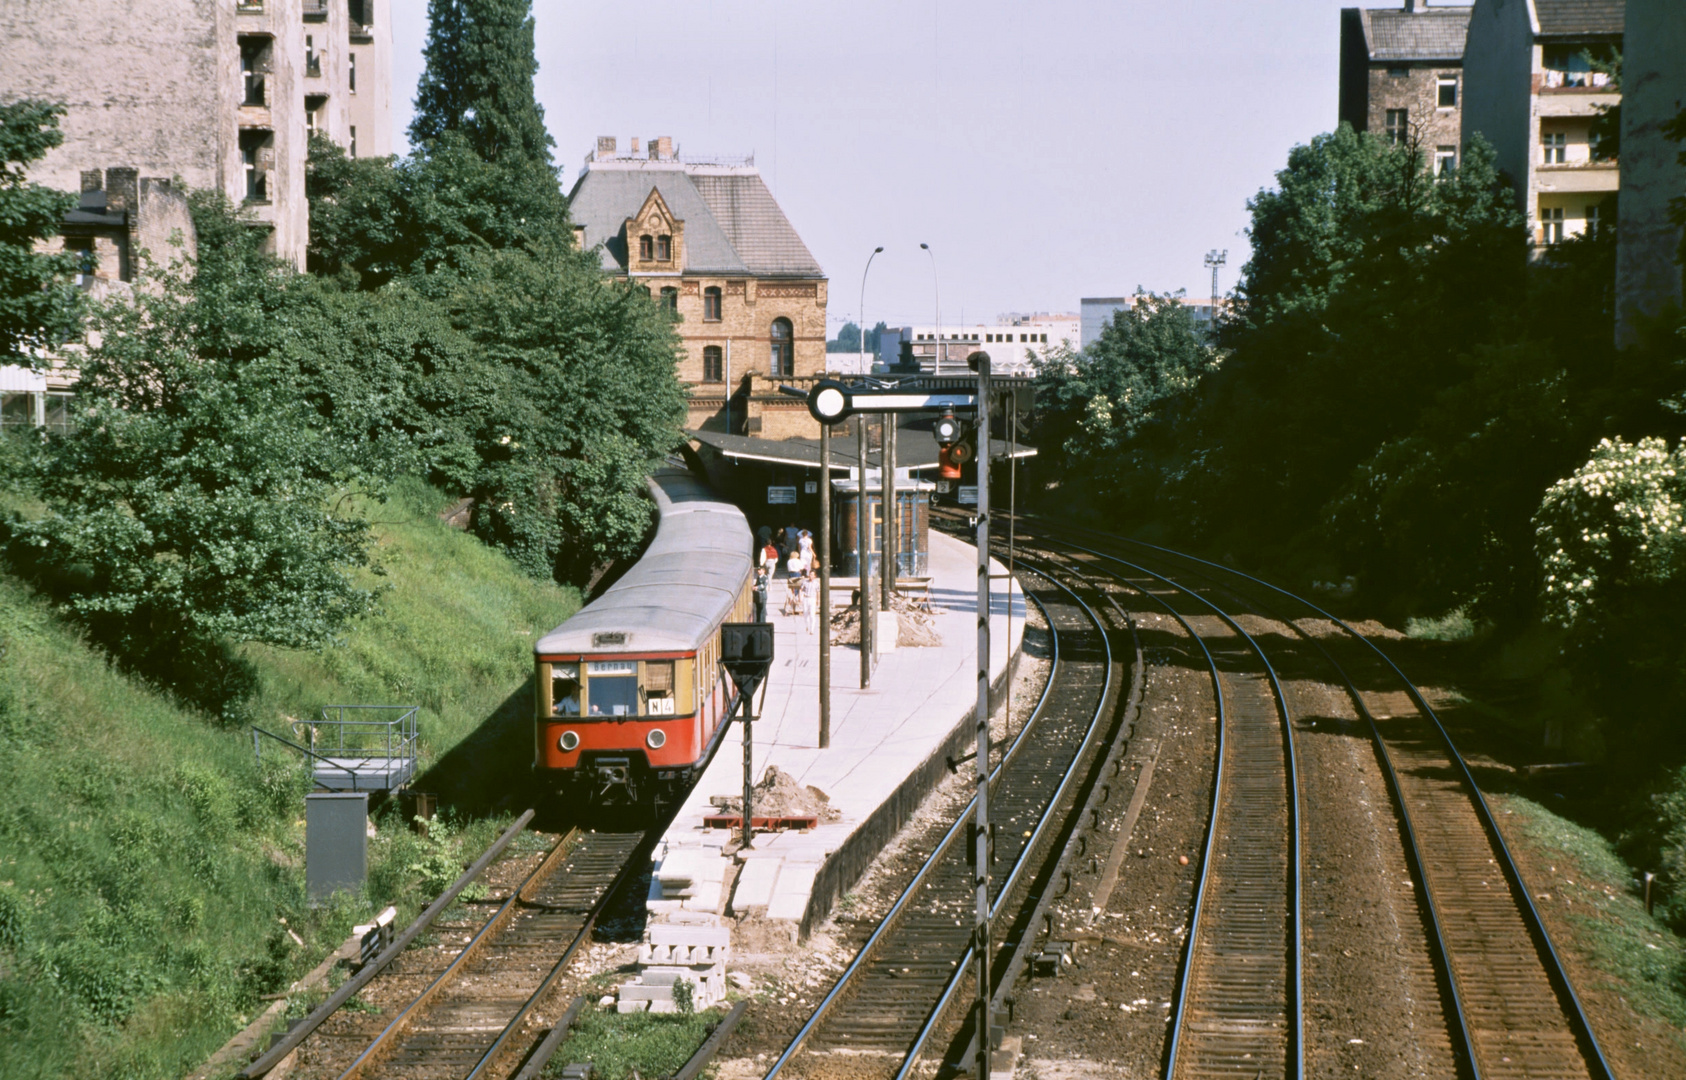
(779, 795)
(915, 626)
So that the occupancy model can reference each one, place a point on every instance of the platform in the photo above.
(889, 746)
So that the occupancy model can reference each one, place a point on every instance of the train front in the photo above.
(615, 725)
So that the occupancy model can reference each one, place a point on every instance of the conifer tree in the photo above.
(479, 80)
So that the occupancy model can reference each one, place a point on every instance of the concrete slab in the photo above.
(879, 763)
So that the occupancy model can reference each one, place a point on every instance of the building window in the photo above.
(1551, 224)
(711, 304)
(664, 248)
(1447, 96)
(351, 71)
(1554, 147)
(1445, 160)
(255, 152)
(1398, 128)
(254, 66)
(714, 364)
(646, 248)
(1592, 218)
(83, 248)
(354, 140)
(362, 12)
(782, 360)
(313, 114)
(670, 299)
(312, 58)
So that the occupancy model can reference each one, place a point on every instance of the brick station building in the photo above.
(707, 239)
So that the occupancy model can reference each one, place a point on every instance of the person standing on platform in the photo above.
(769, 560)
(805, 545)
(791, 534)
(760, 593)
(811, 600)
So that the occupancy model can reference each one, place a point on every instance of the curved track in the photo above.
(1513, 1010)
(897, 994)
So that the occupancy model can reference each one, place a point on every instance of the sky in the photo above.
(1045, 151)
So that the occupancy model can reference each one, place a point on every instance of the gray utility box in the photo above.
(336, 842)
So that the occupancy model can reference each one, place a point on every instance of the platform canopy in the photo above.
(916, 449)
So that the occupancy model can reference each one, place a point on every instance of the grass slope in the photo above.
(151, 873)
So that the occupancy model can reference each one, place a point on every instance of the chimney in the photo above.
(120, 186)
(1411, 5)
(92, 180)
(634, 149)
(605, 147)
(661, 148)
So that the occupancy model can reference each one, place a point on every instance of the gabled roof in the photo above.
(732, 223)
(1427, 34)
(1581, 16)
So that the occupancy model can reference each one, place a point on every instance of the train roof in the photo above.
(684, 586)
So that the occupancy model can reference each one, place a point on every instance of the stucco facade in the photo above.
(1648, 280)
(708, 240)
(1530, 93)
(208, 93)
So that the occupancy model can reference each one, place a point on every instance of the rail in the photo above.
(291, 1040)
(1552, 962)
(887, 924)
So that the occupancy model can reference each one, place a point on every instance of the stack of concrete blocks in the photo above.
(693, 951)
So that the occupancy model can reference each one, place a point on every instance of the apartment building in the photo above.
(218, 94)
(1009, 341)
(707, 239)
(1533, 89)
(1402, 76)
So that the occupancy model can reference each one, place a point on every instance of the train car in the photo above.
(630, 700)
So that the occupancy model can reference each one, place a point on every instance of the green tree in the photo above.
(848, 339)
(1104, 416)
(202, 497)
(584, 401)
(39, 307)
(479, 80)
(1369, 279)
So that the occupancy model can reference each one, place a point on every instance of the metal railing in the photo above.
(348, 738)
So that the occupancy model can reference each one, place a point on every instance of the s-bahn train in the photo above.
(630, 699)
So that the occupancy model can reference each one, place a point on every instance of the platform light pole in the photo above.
(860, 363)
(936, 283)
(863, 554)
(825, 586)
(980, 838)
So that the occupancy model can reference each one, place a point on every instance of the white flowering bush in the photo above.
(1619, 521)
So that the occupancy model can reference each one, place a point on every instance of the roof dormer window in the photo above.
(646, 247)
(664, 249)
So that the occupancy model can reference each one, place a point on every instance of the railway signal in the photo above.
(746, 652)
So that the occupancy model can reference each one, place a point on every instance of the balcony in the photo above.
(315, 10)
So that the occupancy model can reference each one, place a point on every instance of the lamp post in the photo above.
(860, 367)
(936, 281)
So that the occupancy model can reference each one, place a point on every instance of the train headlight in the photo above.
(656, 739)
(569, 741)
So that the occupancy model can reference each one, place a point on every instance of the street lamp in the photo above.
(860, 366)
(937, 351)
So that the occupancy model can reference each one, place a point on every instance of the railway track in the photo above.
(467, 1020)
(1238, 1005)
(1513, 1010)
(900, 994)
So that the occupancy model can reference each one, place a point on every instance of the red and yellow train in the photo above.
(630, 698)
